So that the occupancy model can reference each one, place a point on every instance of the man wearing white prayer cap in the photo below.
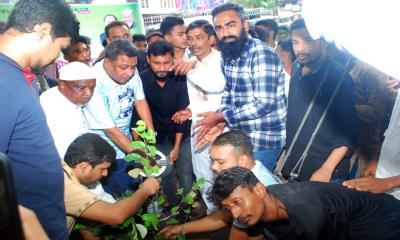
(63, 105)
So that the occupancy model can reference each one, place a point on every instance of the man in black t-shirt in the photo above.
(167, 94)
(307, 210)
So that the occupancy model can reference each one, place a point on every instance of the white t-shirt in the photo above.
(112, 104)
(65, 119)
(389, 160)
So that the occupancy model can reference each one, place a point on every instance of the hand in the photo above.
(369, 184)
(182, 67)
(321, 175)
(173, 155)
(392, 85)
(370, 170)
(211, 135)
(210, 119)
(181, 116)
(171, 231)
(150, 186)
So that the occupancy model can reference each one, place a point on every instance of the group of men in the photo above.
(188, 101)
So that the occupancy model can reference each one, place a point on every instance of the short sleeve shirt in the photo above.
(112, 104)
(77, 197)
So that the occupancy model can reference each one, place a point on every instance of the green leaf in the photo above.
(80, 227)
(148, 171)
(152, 150)
(128, 222)
(141, 123)
(189, 199)
(180, 236)
(150, 219)
(161, 200)
(160, 236)
(137, 145)
(133, 157)
(174, 210)
(199, 184)
(96, 230)
(156, 169)
(179, 191)
(172, 221)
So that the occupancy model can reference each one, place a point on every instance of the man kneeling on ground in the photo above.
(87, 160)
(230, 149)
(307, 210)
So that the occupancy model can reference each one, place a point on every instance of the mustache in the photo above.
(230, 36)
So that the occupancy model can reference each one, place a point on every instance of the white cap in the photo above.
(76, 71)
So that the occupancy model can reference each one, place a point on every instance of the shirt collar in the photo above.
(69, 172)
(28, 74)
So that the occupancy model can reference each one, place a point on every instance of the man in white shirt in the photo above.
(119, 89)
(63, 105)
(205, 84)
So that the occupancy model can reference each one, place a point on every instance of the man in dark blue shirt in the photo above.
(36, 31)
(167, 94)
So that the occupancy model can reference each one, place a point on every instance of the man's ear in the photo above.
(167, 37)
(260, 190)
(42, 30)
(82, 167)
(242, 160)
(246, 25)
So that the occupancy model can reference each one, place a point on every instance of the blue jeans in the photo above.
(182, 169)
(118, 181)
(268, 158)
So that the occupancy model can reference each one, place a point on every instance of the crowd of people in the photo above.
(295, 138)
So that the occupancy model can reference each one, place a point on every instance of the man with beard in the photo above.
(63, 105)
(118, 90)
(35, 33)
(321, 113)
(254, 98)
(166, 95)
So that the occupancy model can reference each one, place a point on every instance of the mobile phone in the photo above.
(10, 222)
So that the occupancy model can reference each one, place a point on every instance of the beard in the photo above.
(234, 49)
(163, 76)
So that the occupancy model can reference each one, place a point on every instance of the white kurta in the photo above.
(205, 87)
(65, 119)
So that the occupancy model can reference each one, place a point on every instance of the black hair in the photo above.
(228, 180)
(138, 37)
(236, 138)
(287, 46)
(153, 32)
(298, 24)
(2, 27)
(110, 15)
(261, 34)
(269, 24)
(90, 148)
(160, 48)
(169, 23)
(114, 24)
(120, 47)
(79, 39)
(28, 13)
(204, 24)
(228, 7)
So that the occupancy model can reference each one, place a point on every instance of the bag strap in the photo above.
(289, 150)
